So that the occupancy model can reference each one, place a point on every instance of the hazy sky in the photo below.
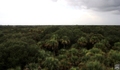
(59, 12)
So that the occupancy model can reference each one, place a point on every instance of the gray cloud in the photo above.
(99, 5)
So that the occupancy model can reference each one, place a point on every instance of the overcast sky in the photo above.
(59, 12)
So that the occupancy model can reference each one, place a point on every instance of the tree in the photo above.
(18, 53)
(99, 57)
(52, 44)
(42, 55)
(62, 56)
(90, 65)
(82, 41)
(74, 68)
(96, 50)
(106, 43)
(2, 38)
(55, 37)
(114, 56)
(73, 56)
(101, 46)
(62, 51)
(41, 44)
(51, 63)
(72, 51)
(94, 39)
(94, 54)
(116, 46)
(65, 64)
(65, 40)
(74, 60)
(83, 51)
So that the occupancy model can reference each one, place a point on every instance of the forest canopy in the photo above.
(59, 47)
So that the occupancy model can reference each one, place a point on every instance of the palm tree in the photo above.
(94, 39)
(83, 51)
(90, 65)
(40, 44)
(42, 55)
(106, 43)
(65, 40)
(114, 55)
(62, 56)
(116, 46)
(73, 51)
(99, 57)
(94, 54)
(82, 41)
(51, 63)
(74, 60)
(65, 64)
(52, 45)
(55, 37)
(73, 56)
(96, 50)
(100, 46)
(62, 51)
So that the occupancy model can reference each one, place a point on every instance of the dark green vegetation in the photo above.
(59, 47)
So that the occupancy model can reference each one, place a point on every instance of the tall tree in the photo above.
(94, 39)
(51, 63)
(65, 40)
(101, 46)
(82, 41)
(52, 45)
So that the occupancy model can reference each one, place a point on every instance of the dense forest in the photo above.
(59, 47)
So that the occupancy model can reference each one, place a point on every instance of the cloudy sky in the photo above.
(59, 12)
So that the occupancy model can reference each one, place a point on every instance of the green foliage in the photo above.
(59, 47)
(114, 55)
(18, 53)
(82, 41)
(60, 57)
(62, 51)
(83, 51)
(93, 66)
(51, 44)
(74, 68)
(73, 51)
(32, 66)
(94, 39)
(65, 41)
(96, 50)
(43, 54)
(117, 46)
(101, 46)
(94, 54)
(64, 64)
(51, 63)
